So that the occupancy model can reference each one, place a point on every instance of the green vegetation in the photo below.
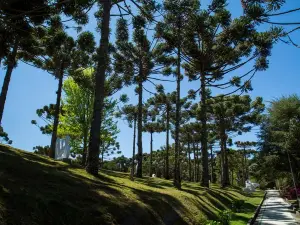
(143, 44)
(37, 190)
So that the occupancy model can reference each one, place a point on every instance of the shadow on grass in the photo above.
(41, 193)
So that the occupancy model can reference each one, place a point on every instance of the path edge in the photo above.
(253, 219)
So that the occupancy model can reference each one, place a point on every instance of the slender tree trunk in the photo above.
(57, 110)
(222, 163)
(133, 149)
(205, 171)
(167, 174)
(190, 166)
(102, 154)
(87, 122)
(139, 172)
(225, 169)
(177, 177)
(102, 60)
(10, 67)
(226, 166)
(245, 164)
(195, 162)
(86, 130)
(85, 142)
(151, 149)
(212, 164)
(232, 177)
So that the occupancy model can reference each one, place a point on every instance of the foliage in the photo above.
(225, 217)
(237, 205)
(41, 150)
(279, 136)
(4, 137)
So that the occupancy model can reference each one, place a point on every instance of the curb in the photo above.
(252, 220)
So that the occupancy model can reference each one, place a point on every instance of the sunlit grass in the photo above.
(38, 190)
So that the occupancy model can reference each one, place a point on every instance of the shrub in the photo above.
(225, 217)
(237, 205)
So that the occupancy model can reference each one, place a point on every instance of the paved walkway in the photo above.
(275, 211)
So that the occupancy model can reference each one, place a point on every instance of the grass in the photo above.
(36, 190)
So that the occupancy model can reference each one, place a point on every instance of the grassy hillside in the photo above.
(37, 190)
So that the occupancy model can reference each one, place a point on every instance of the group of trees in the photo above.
(181, 39)
(279, 137)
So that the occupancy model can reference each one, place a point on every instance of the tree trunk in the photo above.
(57, 110)
(102, 60)
(198, 162)
(151, 149)
(85, 142)
(102, 155)
(177, 178)
(190, 166)
(133, 149)
(10, 67)
(205, 171)
(139, 172)
(226, 166)
(86, 129)
(245, 165)
(167, 174)
(212, 164)
(195, 162)
(232, 177)
(225, 169)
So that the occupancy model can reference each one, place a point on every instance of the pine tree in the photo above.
(151, 125)
(130, 113)
(214, 46)
(103, 15)
(171, 30)
(246, 148)
(164, 103)
(234, 114)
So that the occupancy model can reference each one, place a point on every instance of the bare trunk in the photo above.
(57, 110)
(85, 143)
(86, 130)
(198, 163)
(93, 152)
(205, 171)
(212, 164)
(151, 149)
(225, 170)
(195, 162)
(10, 67)
(133, 148)
(190, 166)
(177, 177)
(167, 174)
(245, 165)
(139, 172)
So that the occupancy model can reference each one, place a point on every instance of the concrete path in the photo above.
(275, 211)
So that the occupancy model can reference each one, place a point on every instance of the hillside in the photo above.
(37, 190)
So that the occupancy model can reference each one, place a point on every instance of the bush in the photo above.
(225, 217)
(237, 205)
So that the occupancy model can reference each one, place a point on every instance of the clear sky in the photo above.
(31, 88)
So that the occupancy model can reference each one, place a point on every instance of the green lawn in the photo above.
(36, 190)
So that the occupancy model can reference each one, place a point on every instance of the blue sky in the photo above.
(31, 88)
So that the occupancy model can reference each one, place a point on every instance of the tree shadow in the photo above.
(40, 193)
(154, 182)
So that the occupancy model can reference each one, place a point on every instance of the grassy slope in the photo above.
(37, 190)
